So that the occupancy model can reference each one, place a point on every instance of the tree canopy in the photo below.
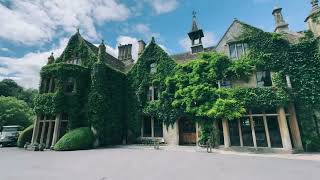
(14, 112)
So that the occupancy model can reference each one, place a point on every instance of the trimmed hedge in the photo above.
(25, 136)
(77, 139)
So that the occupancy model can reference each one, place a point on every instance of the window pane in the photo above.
(234, 133)
(264, 79)
(233, 53)
(274, 131)
(53, 85)
(260, 132)
(156, 93)
(246, 131)
(147, 127)
(158, 128)
(153, 68)
(150, 92)
(239, 50)
(226, 84)
(246, 47)
(267, 79)
(260, 77)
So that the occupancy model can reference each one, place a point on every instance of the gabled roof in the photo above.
(235, 21)
(77, 40)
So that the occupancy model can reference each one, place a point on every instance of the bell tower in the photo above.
(196, 36)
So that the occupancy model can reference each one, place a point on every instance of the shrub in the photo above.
(25, 136)
(77, 139)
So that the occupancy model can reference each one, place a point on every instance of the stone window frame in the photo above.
(153, 93)
(48, 85)
(152, 119)
(244, 49)
(264, 115)
(265, 74)
(153, 68)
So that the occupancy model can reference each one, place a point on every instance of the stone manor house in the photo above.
(275, 130)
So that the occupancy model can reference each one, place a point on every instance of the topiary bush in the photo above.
(25, 136)
(77, 139)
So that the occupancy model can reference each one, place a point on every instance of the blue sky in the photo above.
(31, 29)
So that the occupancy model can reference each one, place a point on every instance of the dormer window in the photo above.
(153, 68)
(236, 50)
(264, 79)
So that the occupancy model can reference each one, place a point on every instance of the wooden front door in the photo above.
(187, 132)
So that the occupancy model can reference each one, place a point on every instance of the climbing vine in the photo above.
(298, 59)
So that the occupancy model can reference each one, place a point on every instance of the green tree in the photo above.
(9, 87)
(15, 112)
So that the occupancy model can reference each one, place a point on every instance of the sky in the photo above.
(31, 29)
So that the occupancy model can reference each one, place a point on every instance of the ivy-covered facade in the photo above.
(249, 91)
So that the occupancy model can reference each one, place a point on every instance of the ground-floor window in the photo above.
(158, 128)
(147, 132)
(234, 133)
(258, 128)
(47, 126)
(246, 131)
(274, 131)
(152, 127)
(260, 131)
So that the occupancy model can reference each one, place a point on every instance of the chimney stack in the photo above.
(281, 24)
(142, 46)
(125, 53)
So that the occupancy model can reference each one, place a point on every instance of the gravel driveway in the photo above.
(147, 164)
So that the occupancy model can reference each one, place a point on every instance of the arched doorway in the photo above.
(187, 132)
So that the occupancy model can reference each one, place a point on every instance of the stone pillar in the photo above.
(35, 130)
(142, 126)
(266, 128)
(254, 138)
(43, 130)
(284, 130)
(171, 134)
(152, 127)
(226, 133)
(56, 130)
(197, 133)
(49, 134)
(294, 127)
(240, 133)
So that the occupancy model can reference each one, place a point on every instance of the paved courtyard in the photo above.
(148, 164)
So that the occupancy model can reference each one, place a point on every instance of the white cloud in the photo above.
(208, 40)
(25, 70)
(163, 6)
(36, 21)
(4, 49)
(146, 31)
